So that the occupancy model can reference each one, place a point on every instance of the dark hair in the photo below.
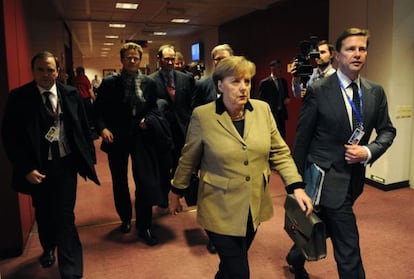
(80, 70)
(161, 49)
(129, 46)
(274, 62)
(43, 55)
(351, 32)
(331, 48)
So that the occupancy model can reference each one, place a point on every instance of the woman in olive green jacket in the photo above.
(235, 142)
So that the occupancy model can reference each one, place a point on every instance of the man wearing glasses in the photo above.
(174, 90)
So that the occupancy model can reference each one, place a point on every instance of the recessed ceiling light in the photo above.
(111, 36)
(108, 44)
(117, 25)
(128, 6)
(180, 20)
(106, 48)
(160, 33)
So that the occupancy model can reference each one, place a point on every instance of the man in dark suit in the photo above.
(176, 89)
(205, 91)
(335, 111)
(46, 137)
(274, 91)
(124, 107)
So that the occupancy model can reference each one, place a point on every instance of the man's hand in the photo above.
(107, 136)
(355, 153)
(35, 177)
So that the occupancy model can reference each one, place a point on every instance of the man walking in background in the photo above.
(274, 91)
(323, 69)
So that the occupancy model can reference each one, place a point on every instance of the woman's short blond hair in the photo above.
(233, 66)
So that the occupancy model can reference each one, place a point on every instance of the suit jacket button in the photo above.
(245, 163)
(247, 178)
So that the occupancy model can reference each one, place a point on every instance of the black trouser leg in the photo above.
(54, 207)
(118, 164)
(233, 253)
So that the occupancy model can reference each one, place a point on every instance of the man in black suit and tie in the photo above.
(274, 91)
(336, 120)
(175, 89)
(206, 91)
(47, 139)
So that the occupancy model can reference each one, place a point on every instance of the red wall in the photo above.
(275, 34)
(17, 215)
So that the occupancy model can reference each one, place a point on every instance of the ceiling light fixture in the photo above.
(127, 6)
(180, 20)
(156, 33)
(117, 25)
(111, 36)
(108, 44)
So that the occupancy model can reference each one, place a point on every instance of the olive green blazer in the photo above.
(234, 170)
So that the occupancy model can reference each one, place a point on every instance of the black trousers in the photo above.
(118, 164)
(233, 253)
(54, 205)
(342, 229)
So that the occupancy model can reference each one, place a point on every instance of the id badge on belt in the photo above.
(356, 136)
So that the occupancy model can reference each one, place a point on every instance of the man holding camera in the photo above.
(324, 68)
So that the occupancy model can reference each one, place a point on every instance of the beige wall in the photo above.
(390, 63)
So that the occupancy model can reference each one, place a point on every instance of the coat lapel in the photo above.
(336, 103)
(367, 100)
(225, 121)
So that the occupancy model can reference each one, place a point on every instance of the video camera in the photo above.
(302, 62)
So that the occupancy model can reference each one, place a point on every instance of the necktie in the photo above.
(48, 103)
(356, 101)
(275, 80)
(170, 87)
(54, 145)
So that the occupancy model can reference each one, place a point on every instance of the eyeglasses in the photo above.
(168, 59)
(132, 59)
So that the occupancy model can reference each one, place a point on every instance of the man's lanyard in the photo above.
(358, 114)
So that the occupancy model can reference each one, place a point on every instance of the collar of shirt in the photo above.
(53, 97)
(52, 90)
(345, 81)
(324, 72)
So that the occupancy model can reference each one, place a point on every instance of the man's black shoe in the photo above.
(47, 259)
(148, 238)
(211, 248)
(125, 227)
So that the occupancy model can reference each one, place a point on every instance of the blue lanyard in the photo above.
(358, 114)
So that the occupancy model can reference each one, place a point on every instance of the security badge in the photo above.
(356, 136)
(53, 134)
